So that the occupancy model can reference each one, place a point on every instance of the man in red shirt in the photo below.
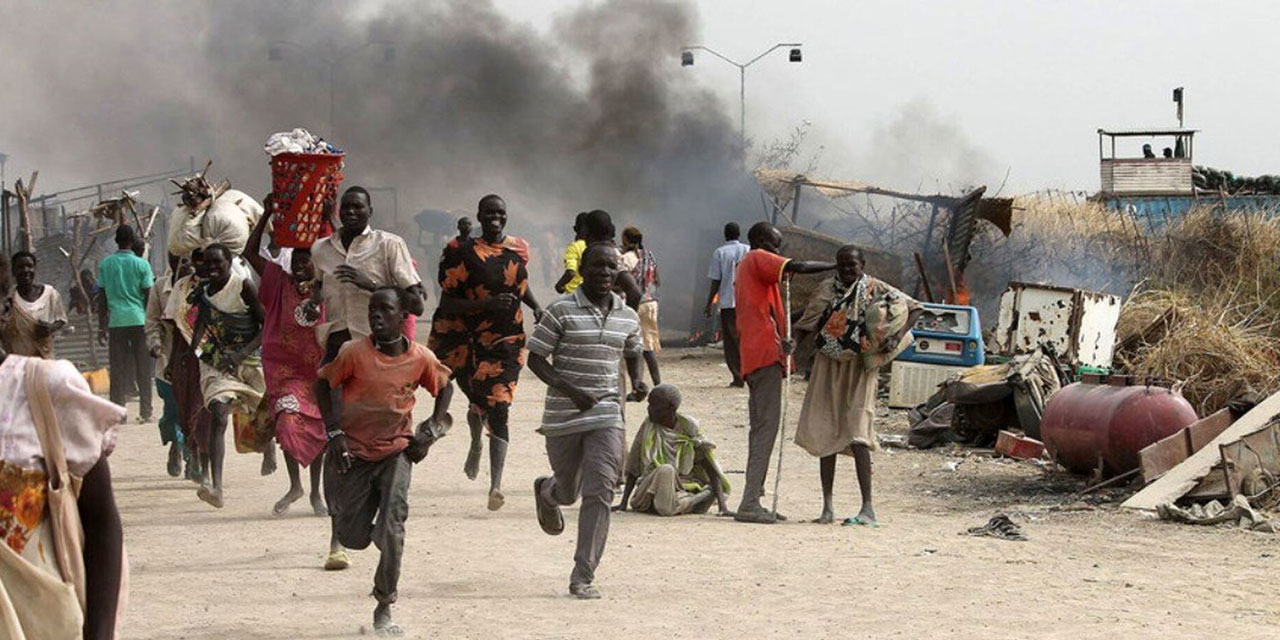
(372, 444)
(761, 321)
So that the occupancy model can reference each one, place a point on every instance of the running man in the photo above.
(575, 350)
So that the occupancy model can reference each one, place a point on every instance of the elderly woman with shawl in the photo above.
(861, 323)
(672, 469)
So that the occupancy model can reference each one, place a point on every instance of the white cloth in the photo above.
(724, 267)
(47, 307)
(88, 422)
(284, 259)
(228, 221)
(297, 141)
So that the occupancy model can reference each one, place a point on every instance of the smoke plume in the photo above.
(593, 114)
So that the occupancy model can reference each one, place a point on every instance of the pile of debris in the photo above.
(1223, 469)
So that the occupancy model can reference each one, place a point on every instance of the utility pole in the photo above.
(686, 60)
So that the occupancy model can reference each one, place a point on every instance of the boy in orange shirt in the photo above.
(372, 444)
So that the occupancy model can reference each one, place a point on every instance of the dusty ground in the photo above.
(1087, 570)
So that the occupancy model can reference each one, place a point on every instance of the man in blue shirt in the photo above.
(724, 265)
(126, 281)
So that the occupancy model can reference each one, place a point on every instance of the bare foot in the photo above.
(269, 460)
(472, 466)
(282, 505)
(318, 506)
(382, 625)
(496, 499)
(827, 517)
(210, 495)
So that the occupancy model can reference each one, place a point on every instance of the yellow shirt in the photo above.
(572, 259)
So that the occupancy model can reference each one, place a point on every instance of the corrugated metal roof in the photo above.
(1150, 131)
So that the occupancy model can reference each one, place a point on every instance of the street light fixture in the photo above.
(275, 53)
(686, 60)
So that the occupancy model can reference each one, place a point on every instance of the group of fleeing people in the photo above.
(314, 350)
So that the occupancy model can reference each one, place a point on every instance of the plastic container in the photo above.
(301, 185)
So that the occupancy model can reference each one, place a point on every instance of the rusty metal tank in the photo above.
(1108, 421)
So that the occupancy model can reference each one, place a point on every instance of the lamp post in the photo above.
(686, 60)
(275, 53)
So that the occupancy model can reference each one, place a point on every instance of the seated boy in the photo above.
(671, 468)
(372, 444)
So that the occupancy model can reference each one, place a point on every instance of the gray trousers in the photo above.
(370, 490)
(585, 464)
(765, 410)
(130, 366)
(729, 331)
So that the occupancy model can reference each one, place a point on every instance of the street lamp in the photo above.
(686, 60)
(275, 53)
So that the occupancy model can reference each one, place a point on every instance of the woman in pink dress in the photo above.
(290, 357)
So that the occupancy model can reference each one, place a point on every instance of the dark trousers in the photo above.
(729, 330)
(130, 366)
(370, 503)
(765, 409)
(585, 464)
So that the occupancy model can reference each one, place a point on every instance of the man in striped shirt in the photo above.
(583, 334)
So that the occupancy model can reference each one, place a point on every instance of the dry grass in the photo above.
(1218, 274)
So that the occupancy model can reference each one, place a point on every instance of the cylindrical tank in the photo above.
(1085, 424)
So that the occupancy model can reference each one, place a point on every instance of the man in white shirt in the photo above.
(724, 265)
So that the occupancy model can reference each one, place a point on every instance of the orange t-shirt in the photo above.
(377, 394)
(760, 314)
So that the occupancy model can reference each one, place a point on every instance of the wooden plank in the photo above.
(1184, 477)
(1169, 452)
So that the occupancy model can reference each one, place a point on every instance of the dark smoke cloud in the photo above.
(594, 114)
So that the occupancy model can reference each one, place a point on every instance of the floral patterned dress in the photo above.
(484, 350)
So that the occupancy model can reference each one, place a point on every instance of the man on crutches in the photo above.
(765, 348)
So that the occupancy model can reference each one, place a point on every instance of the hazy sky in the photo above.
(1026, 83)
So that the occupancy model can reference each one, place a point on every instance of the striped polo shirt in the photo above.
(585, 345)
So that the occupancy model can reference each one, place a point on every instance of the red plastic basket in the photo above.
(301, 184)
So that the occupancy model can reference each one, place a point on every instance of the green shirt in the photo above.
(123, 278)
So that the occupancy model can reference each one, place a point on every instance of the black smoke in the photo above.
(595, 113)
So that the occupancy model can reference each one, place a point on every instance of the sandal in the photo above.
(549, 516)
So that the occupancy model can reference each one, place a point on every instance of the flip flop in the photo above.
(860, 521)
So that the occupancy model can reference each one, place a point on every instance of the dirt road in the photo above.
(1087, 571)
